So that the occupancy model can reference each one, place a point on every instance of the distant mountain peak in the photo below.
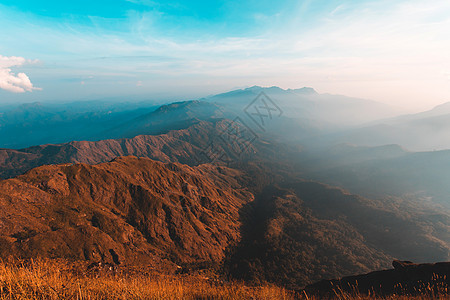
(304, 91)
(443, 106)
(257, 88)
(180, 104)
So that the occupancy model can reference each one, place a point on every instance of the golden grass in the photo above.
(45, 279)
(51, 280)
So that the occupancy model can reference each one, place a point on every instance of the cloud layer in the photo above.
(9, 81)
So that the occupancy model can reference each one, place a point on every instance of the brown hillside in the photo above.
(126, 211)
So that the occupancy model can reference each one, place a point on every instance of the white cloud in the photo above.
(9, 81)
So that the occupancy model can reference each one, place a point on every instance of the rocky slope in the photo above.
(127, 211)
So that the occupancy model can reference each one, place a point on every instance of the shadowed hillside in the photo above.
(298, 232)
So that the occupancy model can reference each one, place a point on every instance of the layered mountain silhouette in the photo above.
(43, 123)
(179, 115)
(328, 112)
(425, 131)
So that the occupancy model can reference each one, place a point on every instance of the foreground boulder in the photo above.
(406, 278)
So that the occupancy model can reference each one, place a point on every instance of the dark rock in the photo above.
(406, 279)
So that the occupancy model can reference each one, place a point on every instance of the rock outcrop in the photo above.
(406, 278)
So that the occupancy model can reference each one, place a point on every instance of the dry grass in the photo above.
(51, 280)
(43, 279)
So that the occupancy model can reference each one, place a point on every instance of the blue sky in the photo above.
(391, 51)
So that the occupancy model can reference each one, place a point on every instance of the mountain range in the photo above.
(258, 184)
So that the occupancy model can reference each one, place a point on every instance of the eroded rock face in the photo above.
(130, 210)
(406, 278)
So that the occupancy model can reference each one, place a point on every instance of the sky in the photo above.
(396, 52)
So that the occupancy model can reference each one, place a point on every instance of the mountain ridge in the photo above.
(186, 146)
